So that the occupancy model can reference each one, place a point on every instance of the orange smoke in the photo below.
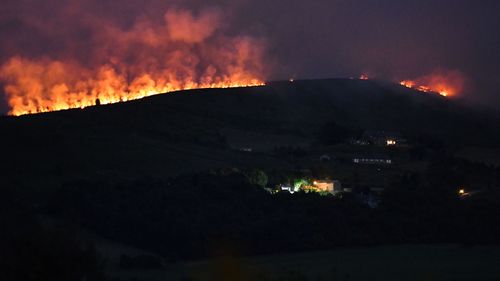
(444, 83)
(186, 51)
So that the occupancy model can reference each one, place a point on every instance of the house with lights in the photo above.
(384, 138)
(333, 187)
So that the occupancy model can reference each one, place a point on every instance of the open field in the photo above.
(386, 263)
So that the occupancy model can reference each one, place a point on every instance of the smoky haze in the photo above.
(393, 40)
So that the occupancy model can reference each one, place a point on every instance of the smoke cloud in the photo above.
(183, 26)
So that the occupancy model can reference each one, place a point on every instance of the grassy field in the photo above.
(398, 263)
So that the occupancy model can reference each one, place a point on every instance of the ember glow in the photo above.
(443, 91)
(446, 84)
(363, 77)
(185, 51)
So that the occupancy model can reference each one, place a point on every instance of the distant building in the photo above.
(466, 193)
(322, 186)
(347, 189)
(333, 187)
(391, 142)
(361, 141)
(372, 160)
(287, 188)
(383, 138)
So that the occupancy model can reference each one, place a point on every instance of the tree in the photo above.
(257, 177)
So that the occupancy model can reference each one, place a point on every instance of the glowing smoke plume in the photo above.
(183, 51)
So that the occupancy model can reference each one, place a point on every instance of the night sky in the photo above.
(386, 39)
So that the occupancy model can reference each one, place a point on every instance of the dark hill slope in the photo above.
(187, 131)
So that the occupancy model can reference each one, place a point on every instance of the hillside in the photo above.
(188, 131)
(198, 174)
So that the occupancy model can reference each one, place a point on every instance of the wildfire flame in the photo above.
(444, 91)
(446, 84)
(184, 52)
(364, 77)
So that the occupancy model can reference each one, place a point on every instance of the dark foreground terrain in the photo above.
(195, 175)
(384, 263)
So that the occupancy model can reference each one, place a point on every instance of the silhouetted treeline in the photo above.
(192, 216)
(197, 215)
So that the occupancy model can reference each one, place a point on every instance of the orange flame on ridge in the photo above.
(35, 87)
(186, 52)
(446, 84)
